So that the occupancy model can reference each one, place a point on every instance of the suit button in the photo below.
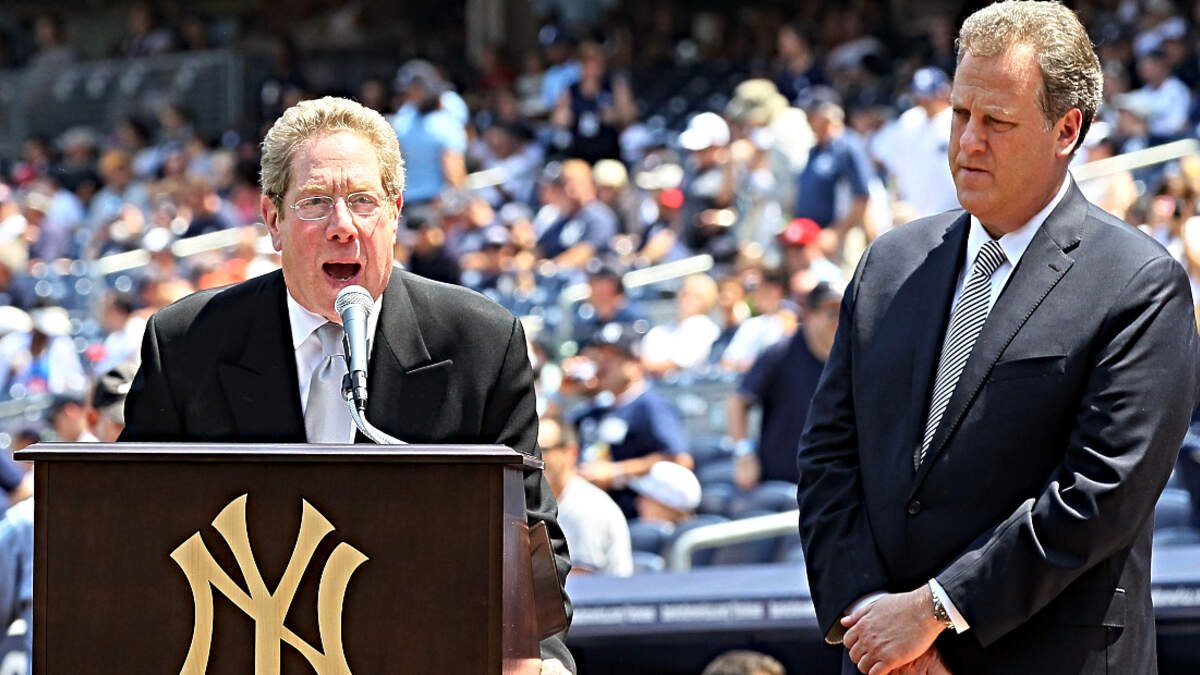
(914, 507)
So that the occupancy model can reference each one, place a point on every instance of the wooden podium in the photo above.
(282, 558)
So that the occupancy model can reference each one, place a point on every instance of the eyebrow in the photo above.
(324, 189)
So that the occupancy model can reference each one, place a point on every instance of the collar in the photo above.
(1016, 242)
(304, 322)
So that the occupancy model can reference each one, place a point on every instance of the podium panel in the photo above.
(154, 558)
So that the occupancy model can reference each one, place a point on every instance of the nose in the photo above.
(340, 226)
(972, 138)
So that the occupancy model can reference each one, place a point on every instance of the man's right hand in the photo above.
(929, 663)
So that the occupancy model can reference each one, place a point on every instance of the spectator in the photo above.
(16, 568)
(42, 360)
(596, 531)
(432, 139)
(594, 109)
(146, 37)
(606, 303)
(667, 493)
(837, 162)
(106, 412)
(913, 147)
(732, 310)
(774, 319)
(120, 188)
(1168, 99)
(782, 381)
(124, 329)
(639, 428)
(798, 71)
(804, 260)
(612, 182)
(744, 662)
(1117, 191)
(686, 342)
(708, 187)
(508, 150)
(68, 417)
(583, 226)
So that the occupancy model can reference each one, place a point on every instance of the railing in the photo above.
(725, 534)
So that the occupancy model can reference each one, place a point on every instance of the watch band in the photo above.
(939, 611)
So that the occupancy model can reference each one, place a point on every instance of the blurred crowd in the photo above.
(672, 200)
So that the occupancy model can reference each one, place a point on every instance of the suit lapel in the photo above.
(404, 386)
(1042, 266)
(928, 303)
(260, 385)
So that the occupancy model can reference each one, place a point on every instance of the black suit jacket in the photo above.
(447, 366)
(1035, 503)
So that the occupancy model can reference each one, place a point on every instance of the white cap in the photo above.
(14, 320)
(51, 321)
(705, 130)
(670, 484)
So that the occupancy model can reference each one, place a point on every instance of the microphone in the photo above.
(354, 305)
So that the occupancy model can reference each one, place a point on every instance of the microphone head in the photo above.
(353, 296)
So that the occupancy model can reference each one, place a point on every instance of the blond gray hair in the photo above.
(307, 120)
(1071, 74)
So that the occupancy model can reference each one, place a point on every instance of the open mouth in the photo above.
(341, 271)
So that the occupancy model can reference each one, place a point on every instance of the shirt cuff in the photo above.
(834, 636)
(956, 617)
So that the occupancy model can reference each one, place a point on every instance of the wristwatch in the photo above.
(939, 611)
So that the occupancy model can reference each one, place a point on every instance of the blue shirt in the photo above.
(423, 140)
(782, 380)
(594, 223)
(646, 425)
(840, 161)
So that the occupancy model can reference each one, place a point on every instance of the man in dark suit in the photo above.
(249, 362)
(1004, 399)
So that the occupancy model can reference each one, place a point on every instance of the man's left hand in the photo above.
(892, 631)
(554, 667)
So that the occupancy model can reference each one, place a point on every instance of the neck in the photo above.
(997, 230)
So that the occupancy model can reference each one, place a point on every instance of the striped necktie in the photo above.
(965, 325)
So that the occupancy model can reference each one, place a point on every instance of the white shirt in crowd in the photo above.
(913, 149)
(685, 343)
(596, 531)
(1168, 103)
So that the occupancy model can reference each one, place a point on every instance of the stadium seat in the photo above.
(649, 536)
(646, 562)
(720, 471)
(715, 498)
(699, 558)
(771, 497)
(1174, 509)
(754, 552)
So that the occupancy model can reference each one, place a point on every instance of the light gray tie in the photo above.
(326, 419)
(965, 325)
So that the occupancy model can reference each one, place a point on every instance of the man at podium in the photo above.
(260, 361)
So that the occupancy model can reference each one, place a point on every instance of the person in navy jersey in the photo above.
(606, 304)
(782, 380)
(584, 226)
(838, 161)
(625, 435)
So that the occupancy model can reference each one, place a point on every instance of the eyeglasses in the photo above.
(361, 204)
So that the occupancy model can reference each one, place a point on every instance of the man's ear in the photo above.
(1068, 128)
(270, 216)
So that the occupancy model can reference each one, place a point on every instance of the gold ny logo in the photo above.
(267, 609)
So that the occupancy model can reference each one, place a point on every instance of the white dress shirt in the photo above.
(1014, 244)
(307, 345)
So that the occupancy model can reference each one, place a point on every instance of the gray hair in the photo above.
(1071, 74)
(309, 119)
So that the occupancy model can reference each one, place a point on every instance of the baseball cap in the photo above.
(112, 387)
(623, 337)
(671, 485)
(704, 131)
(610, 173)
(929, 82)
(800, 232)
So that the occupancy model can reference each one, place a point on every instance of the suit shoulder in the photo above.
(923, 232)
(455, 303)
(226, 303)
(1115, 237)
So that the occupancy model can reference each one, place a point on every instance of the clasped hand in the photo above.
(895, 635)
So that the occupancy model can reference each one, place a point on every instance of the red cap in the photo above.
(671, 198)
(800, 232)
